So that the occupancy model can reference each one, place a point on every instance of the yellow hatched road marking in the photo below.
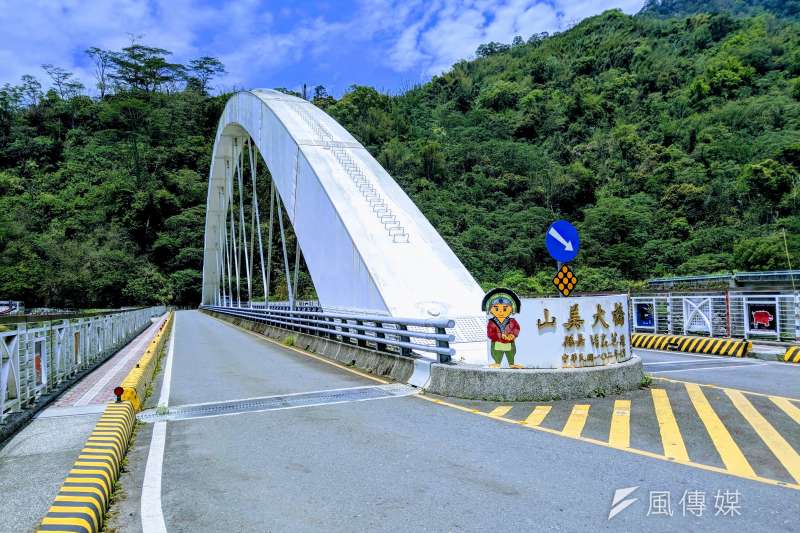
(788, 407)
(537, 415)
(500, 411)
(619, 436)
(576, 420)
(729, 452)
(670, 432)
(796, 358)
(782, 450)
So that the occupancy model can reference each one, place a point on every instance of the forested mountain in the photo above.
(674, 145)
(682, 8)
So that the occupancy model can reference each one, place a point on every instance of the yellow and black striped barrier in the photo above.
(135, 383)
(792, 354)
(685, 343)
(85, 496)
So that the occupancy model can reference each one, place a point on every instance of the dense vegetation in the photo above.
(674, 144)
(682, 8)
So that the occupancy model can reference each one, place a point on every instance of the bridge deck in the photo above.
(404, 463)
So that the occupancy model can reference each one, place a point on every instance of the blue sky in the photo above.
(388, 44)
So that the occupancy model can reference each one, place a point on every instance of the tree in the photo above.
(30, 90)
(65, 84)
(103, 64)
(491, 48)
(145, 68)
(321, 98)
(204, 70)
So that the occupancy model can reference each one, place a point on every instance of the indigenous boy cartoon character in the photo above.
(499, 304)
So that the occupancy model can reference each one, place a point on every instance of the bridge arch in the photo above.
(366, 245)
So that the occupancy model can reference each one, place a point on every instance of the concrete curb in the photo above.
(690, 344)
(85, 496)
(534, 384)
(460, 381)
(136, 382)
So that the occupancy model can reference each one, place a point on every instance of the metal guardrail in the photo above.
(35, 318)
(751, 315)
(773, 276)
(36, 360)
(388, 334)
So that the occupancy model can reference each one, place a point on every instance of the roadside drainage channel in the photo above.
(276, 403)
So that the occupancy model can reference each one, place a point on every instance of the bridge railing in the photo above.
(37, 358)
(404, 336)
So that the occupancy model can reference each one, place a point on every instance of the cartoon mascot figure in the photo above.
(499, 304)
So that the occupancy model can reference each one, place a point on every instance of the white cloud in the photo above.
(453, 29)
(253, 38)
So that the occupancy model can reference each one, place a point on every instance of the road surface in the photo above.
(402, 461)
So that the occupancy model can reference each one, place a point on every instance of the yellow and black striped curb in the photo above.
(135, 383)
(84, 498)
(792, 354)
(684, 343)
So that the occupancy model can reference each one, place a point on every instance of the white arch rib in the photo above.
(367, 246)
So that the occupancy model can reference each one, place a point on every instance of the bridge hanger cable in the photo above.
(252, 213)
(223, 227)
(257, 216)
(269, 239)
(233, 226)
(225, 238)
(296, 264)
(242, 225)
(296, 240)
(285, 256)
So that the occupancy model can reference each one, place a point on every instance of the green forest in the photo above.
(670, 138)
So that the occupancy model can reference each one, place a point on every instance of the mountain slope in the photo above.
(682, 8)
(673, 144)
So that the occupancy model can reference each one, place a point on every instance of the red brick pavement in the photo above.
(89, 390)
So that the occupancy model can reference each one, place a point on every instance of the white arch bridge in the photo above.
(373, 257)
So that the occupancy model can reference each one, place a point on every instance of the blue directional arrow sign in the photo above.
(562, 241)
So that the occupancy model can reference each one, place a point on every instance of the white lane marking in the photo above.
(152, 515)
(151, 511)
(726, 367)
(101, 384)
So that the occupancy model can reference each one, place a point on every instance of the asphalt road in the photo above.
(768, 377)
(412, 464)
